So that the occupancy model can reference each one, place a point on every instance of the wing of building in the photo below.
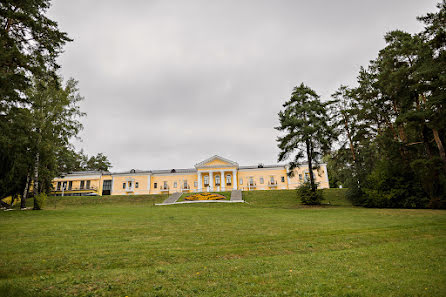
(211, 175)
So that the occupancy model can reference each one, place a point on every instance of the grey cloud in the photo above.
(170, 83)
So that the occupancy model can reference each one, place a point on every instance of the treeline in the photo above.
(39, 114)
(392, 124)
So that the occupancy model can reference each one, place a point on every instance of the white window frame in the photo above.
(261, 180)
(228, 179)
(217, 180)
(174, 184)
(241, 181)
(206, 179)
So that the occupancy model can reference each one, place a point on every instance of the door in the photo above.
(106, 187)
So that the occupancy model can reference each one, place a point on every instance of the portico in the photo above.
(216, 174)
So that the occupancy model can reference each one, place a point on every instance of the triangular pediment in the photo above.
(216, 161)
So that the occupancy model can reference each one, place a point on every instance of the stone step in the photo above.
(172, 198)
(236, 195)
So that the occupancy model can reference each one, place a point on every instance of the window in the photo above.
(307, 177)
(58, 185)
(272, 179)
(70, 185)
(136, 185)
(195, 184)
(155, 185)
(88, 184)
(300, 177)
(107, 185)
(123, 185)
(251, 181)
(82, 184)
(184, 184)
(240, 181)
(174, 184)
(64, 185)
(217, 180)
(261, 180)
(228, 180)
(206, 180)
(165, 185)
(282, 179)
(130, 184)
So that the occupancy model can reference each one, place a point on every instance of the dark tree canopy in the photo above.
(307, 133)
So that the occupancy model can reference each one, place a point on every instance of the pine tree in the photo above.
(305, 123)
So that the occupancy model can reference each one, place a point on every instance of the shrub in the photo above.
(309, 197)
(40, 200)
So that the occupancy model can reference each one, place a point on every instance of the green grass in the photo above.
(227, 195)
(270, 246)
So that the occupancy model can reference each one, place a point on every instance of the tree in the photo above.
(394, 122)
(305, 122)
(54, 119)
(30, 43)
(99, 163)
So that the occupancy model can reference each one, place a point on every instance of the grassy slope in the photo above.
(269, 246)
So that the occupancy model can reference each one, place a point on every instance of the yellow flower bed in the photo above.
(205, 196)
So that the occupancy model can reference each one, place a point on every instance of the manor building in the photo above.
(211, 175)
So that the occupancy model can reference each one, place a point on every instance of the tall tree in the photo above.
(55, 115)
(305, 123)
(30, 43)
(99, 162)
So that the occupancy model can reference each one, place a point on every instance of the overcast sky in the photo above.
(170, 83)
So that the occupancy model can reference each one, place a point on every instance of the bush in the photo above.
(39, 201)
(309, 197)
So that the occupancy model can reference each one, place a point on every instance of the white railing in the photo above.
(272, 183)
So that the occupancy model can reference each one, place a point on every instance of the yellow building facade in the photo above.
(215, 174)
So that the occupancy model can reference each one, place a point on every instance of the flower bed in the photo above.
(204, 196)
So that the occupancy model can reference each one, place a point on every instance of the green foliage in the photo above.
(393, 123)
(40, 200)
(98, 163)
(309, 197)
(30, 44)
(307, 131)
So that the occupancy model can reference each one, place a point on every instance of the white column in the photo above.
(222, 180)
(234, 179)
(199, 182)
(149, 182)
(326, 176)
(211, 180)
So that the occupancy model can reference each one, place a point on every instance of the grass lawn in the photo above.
(270, 246)
(227, 195)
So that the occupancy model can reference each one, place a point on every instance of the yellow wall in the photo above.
(171, 179)
(142, 181)
(266, 173)
(216, 162)
(319, 176)
(95, 184)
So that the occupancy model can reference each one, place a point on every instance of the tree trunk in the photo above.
(310, 164)
(36, 180)
(25, 192)
(352, 149)
(440, 146)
